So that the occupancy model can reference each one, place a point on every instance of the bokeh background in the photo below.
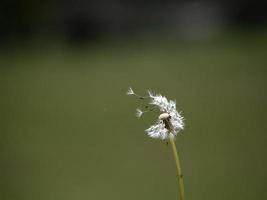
(68, 131)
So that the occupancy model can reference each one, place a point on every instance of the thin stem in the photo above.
(178, 169)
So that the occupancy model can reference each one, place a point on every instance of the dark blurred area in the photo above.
(89, 20)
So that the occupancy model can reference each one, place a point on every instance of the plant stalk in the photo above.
(178, 169)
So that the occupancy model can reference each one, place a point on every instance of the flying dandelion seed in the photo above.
(139, 113)
(130, 91)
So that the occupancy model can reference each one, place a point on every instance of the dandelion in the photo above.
(166, 128)
(169, 123)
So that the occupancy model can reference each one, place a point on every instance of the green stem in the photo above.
(178, 169)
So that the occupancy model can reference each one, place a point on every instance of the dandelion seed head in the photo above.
(169, 122)
(170, 119)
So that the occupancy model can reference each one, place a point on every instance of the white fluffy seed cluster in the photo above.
(168, 115)
(168, 108)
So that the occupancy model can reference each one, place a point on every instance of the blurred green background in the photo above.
(68, 130)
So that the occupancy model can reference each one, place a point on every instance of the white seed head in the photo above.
(169, 113)
(169, 122)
